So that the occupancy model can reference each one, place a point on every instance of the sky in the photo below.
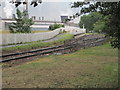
(49, 9)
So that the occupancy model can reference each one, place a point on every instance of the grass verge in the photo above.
(95, 67)
(39, 44)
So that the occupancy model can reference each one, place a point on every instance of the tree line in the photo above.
(110, 22)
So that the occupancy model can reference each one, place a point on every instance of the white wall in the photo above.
(74, 30)
(21, 38)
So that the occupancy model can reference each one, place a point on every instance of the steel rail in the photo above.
(72, 44)
(41, 53)
(31, 51)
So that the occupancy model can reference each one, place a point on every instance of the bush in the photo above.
(55, 26)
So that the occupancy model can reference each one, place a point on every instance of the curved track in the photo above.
(68, 46)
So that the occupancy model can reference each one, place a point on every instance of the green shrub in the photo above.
(55, 26)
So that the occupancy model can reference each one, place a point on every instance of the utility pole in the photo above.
(27, 7)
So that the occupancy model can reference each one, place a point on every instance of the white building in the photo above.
(38, 24)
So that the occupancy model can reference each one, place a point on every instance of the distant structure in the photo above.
(13, 17)
(39, 18)
(38, 24)
(63, 18)
(34, 17)
(42, 18)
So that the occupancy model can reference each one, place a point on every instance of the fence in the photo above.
(22, 38)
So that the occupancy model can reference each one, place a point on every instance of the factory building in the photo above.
(38, 24)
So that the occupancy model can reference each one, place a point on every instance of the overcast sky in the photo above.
(50, 9)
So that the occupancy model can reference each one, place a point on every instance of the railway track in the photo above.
(43, 51)
(68, 46)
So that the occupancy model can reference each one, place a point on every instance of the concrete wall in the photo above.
(74, 30)
(22, 38)
(0, 25)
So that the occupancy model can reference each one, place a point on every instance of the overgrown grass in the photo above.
(95, 67)
(37, 44)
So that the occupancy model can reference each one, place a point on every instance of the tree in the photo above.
(109, 9)
(99, 26)
(22, 24)
(89, 20)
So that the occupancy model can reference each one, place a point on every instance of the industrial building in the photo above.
(63, 18)
(38, 24)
